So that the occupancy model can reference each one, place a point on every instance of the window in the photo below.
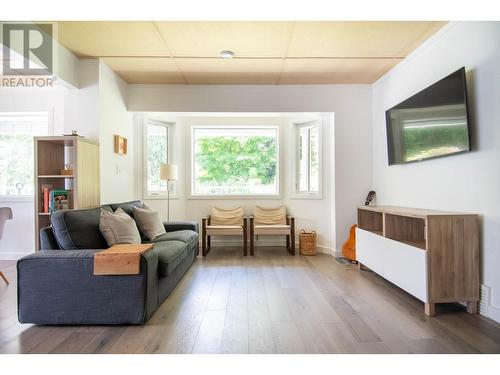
(308, 158)
(16, 151)
(235, 161)
(158, 138)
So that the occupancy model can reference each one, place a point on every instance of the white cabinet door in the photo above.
(405, 266)
(401, 264)
(370, 250)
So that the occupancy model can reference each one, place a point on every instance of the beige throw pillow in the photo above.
(149, 222)
(118, 227)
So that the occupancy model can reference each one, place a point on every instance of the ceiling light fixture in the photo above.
(227, 54)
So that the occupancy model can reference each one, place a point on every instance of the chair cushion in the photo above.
(78, 229)
(118, 228)
(170, 254)
(271, 229)
(148, 222)
(185, 236)
(269, 216)
(224, 230)
(223, 216)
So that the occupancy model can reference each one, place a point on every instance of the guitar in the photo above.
(370, 197)
(349, 247)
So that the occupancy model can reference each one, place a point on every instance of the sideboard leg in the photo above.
(430, 309)
(360, 266)
(472, 307)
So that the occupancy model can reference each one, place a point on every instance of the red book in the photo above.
(45, 200)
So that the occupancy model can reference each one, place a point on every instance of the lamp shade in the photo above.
(168, 172)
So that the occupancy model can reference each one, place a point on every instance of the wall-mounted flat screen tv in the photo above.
(430, 124)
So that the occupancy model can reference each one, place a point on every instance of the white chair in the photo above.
(5, 214)
(272, 221)
(223, 222)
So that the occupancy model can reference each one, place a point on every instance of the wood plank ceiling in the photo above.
(265, 52)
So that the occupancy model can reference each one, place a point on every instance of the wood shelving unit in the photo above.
(52, 154)
(433, 255)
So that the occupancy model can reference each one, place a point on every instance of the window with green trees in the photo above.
(235, 161)
(16, 151)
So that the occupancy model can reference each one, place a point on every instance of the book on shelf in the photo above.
(45, 198)
(59, 200)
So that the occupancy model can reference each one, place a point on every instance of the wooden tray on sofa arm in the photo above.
(123, 259)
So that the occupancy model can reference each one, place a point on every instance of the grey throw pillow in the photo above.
(149, 222)
(118, 227)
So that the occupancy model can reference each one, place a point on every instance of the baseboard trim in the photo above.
(326, 250)
(493, 313)
(272, 243)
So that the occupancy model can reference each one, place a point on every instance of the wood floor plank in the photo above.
(235, 334)
(287, 338)
(209, 337)
(277, 304)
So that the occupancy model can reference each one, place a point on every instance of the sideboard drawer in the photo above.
(401, 264)
(405, 266)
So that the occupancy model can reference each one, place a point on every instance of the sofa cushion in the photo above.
(148, 222)
(118, 228)
(78, 229)
(127, 207)
(170, 254)
(185, 236)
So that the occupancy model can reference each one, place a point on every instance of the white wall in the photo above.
(82, 104)
(468, 182)
(310, 214)
(116, 171)
(350, 103)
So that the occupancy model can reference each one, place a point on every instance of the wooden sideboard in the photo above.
(433, 255)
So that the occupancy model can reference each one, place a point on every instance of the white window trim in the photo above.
(190, 176)
(296, 194)
(50, 131)
(170, 158)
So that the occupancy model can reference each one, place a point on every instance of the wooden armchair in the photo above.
(272, 221)
(223, 222)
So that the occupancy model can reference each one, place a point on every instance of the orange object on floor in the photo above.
(349, 247)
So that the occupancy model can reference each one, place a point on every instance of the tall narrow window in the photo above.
(308, 158)
(235, 161)
(16, 151)
(157, 151)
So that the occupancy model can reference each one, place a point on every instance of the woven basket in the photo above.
(307, 242)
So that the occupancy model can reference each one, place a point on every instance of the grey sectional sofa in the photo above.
(57, 286)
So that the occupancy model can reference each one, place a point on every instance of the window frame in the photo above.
(170, 126)
(279, 159)
(297, 194)
(50, 131)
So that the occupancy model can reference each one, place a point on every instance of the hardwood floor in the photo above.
(270, 303)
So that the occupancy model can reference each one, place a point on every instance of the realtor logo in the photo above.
(27, 49)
